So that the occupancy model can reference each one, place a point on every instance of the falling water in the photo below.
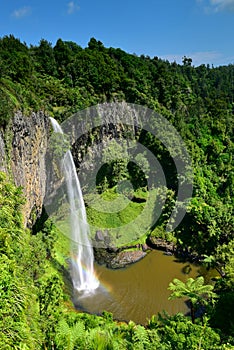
(82, 271)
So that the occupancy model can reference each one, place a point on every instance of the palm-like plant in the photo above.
(194, 289)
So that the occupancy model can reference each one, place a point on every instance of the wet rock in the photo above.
(116, 258)
(145, 247)
(125, 258)
(113, 249)
(161, 244)
(103, 256)
(99, 236)
(168, 253)
(103, 239)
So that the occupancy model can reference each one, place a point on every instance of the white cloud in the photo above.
(221, 5)
(72, 7)
(218, 5)
(22, 12)
(201, 57)
(205, 57)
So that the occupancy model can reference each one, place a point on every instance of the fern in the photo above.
(140, 338)
(78, 332)
(62, 332)
(67, 337)
(100, 340)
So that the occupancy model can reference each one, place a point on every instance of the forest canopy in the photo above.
(198, 101)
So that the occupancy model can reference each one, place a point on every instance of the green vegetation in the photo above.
(198, 101)
(35, 307)
(36, 311)
(194, 290)
(116, 213)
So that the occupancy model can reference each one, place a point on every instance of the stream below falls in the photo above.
(140, 290)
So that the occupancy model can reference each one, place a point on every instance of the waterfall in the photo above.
(82, 271)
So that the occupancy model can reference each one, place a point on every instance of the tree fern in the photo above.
(194, 289)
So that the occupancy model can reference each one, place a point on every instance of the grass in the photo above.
(126, 221)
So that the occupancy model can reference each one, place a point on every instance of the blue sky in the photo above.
(170, 29)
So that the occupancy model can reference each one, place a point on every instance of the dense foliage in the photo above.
(197, 100)
(35, 312)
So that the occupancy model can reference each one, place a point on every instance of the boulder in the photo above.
(125, 258)
(99, 236)
(161, 244)
(145, 247)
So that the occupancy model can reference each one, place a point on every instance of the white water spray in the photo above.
(82, 271)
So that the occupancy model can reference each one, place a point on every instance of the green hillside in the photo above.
(35, 307)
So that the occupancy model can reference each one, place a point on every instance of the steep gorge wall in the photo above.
(92, 131)
(23, 147)
(24, 151)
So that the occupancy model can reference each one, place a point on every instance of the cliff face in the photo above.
(96, 129)
(24, 151)
(23, 148)
(3, 161)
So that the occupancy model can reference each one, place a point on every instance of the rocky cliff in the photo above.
(23, 147)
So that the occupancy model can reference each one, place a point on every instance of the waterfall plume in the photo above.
(82, 259)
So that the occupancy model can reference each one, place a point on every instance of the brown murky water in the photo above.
(140, 290)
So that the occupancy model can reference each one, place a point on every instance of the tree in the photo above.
(16, 62)
(178, 332)
(95, 44)
(45, 58)
(187, 61)
(63, 56)
(194, 289)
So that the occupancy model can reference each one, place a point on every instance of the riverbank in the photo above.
(121, 257)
